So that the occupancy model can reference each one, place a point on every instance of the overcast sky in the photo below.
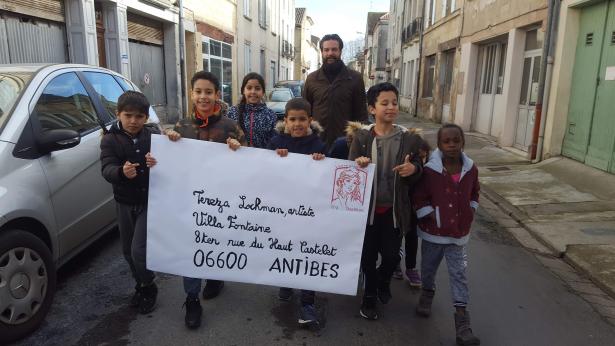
(343, 17)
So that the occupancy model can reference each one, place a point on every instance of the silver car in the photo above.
(278, 99)
(53, 199)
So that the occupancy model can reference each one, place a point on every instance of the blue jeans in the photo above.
(456, 261)
(192, 287)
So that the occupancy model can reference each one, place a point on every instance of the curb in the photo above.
(585, 268)
(519, 216)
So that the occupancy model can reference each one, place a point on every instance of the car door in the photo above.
(81, 198)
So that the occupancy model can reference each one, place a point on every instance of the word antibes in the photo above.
(305, 267)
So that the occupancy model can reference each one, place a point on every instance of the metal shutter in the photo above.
(48, 9)
(144, 29)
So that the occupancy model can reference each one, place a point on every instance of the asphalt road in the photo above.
(515, 300)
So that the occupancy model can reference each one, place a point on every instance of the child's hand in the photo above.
(233, 144)
(130, 169)
(282, 152)
(318, 156)
(173, 135)
(406, 169)
(150, 161)
(362, 161)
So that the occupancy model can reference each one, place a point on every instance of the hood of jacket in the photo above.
(314, 128)
(435, 162)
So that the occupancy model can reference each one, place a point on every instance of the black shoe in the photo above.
(368, 308)
(193, 313)
(147, 303)
(136, 297)
(285, 294)
(212, 289)
(384, 292)
(308, 315)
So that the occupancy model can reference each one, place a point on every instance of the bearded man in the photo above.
(335, 92)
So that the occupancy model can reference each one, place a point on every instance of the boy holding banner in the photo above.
(208, 123)
(395, 152)
(299, 134)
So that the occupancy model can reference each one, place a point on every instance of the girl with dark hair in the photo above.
(256, 120)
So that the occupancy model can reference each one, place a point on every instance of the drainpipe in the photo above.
(546, 56)
(182, 58)
(549, 73)
(418, 70)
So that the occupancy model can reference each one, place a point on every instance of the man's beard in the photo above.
(325, 61)
(334, 67)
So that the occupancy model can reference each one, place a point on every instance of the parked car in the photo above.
(295, 85)
(53, 199)
(277, 100)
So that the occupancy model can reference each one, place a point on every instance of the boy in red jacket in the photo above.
(445, 201)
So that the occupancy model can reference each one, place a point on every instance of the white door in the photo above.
(528, 98)
(492, 60)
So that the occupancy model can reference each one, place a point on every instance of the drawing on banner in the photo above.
(349, 188)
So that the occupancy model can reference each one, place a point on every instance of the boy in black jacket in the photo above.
(125, 161)
(299, 134)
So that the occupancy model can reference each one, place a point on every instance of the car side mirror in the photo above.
(54, 140)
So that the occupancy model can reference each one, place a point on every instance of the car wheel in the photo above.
(27, 283)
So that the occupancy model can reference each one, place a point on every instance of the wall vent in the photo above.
(589, 39)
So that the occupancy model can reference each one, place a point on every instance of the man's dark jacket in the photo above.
(336, 103)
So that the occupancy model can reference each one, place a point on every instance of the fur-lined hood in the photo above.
(315, 127)
(354, 126)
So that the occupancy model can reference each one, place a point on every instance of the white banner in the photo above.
(252, 216)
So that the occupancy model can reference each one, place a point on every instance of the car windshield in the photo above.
(11, 86)
(281, 95)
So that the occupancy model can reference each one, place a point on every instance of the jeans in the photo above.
(456, 261)
(192, 287)
(132, 222)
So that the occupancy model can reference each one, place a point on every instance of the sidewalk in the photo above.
(567, 206)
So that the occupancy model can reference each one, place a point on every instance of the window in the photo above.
(247, 63)
(262, 13)
(501, 68)
(263, 63)
(281, 95)
(108, 89)
(64, 104)
(432, 12)
(430, 69)
(410, 91)
(246, 8)
(217, 59)
(448, 7)
(448, 57)
(272, 80)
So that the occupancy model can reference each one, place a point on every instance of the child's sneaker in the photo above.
(193, 313)
(414, 278)
(147, 303)
(368, 308)
(285, 294)
(136, 297)
(397, 274)
(308, 315)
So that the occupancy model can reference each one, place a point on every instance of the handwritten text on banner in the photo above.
(252, 216)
